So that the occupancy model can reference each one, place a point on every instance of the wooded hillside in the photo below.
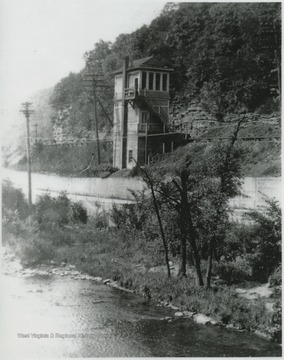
(226, 59)
(226, 56)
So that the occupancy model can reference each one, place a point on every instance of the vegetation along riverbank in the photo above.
(177, 244)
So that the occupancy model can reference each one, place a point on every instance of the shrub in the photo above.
(267, 233)
(135, 171)
(276, 277)
(104, 170)
(234, 272)
(239, 241)
(276, 322)
(100, 220)
(13, 202)
(35, 250)
(50, 212)
(78, 213)
(132, 216)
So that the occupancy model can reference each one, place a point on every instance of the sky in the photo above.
(42, 41)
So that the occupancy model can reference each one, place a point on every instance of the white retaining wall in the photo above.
(96, 193)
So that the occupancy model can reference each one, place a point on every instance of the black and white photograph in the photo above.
(141, 179)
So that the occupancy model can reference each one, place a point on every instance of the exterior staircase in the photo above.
(131, 95)
(159, 112)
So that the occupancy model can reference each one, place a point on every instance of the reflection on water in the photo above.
(85, 319)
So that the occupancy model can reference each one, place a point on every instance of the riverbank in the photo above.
(131, 256)
(59, 316)
(216, 304)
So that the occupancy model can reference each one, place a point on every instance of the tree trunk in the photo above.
(189, 225)
(182, 270)
(158, 217)
(195, 254)
(222, 191)
(160, 224)
(162, 232)
(209, 263)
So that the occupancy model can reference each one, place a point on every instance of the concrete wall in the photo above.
(98, 193)
(255, 192)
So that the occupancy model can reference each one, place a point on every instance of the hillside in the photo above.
(225, 58)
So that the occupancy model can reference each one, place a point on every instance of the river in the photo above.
(83, 318)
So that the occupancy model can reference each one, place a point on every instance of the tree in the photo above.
(197, 184)
(226, 163)
(231, 62)
(150, 182)
(267, 239)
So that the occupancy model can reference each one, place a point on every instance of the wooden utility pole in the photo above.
(94, 81)
(27, 111)
(124, 114)
(96, 121)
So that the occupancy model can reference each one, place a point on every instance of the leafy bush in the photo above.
(35, 250)
(100, 220)
(276, 322)
(234, 272)
(60, 211)
(13, 202)
(239, 241)
(276, 277)
(104, 170)
(106, 167)
(78, 213)
(132, 216)
(135, 171)
(267, 236)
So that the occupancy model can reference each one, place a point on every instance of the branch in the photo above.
(89, 166)
(167, 196)
(177, 185)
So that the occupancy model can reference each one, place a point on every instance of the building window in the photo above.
(130, 156)
(151, 81)
(158, 81)
(136, 84)
(165, 82)
(145, 116)
(144, 80)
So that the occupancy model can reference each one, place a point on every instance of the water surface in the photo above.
(85, 319)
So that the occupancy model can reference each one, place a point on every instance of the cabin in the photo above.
(141, 112)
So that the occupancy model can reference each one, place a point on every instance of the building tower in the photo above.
(141, 108)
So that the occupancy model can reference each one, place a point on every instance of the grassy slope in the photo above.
(65, 160)
(262, 157)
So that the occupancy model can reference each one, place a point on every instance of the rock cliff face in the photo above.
(194, 121)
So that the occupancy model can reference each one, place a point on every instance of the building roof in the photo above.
(150, 63)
